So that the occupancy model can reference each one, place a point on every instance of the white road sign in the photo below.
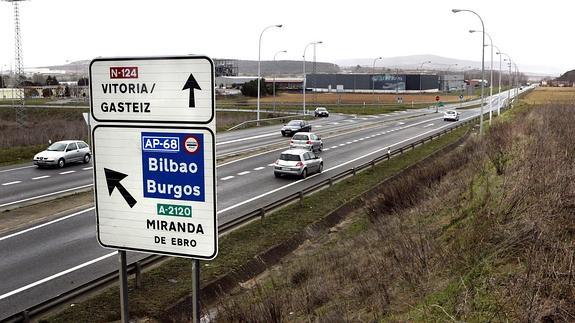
(175, 89)
(155, 181)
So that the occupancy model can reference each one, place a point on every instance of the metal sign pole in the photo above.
(123, 286)
(195, 291)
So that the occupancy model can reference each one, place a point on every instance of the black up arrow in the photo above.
(191, 84)
(113, 179)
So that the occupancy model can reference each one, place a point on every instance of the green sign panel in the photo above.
(174, 210)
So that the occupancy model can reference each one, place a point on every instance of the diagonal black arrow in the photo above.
(192, 85)
(113, 179)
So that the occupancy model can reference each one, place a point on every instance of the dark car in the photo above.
(321, 112)
(295, 126)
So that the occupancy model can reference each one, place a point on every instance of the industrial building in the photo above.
(380, 83)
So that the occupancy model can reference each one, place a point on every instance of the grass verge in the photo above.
(165, 285)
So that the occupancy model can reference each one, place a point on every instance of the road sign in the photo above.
(152, 90)
(154, 176)
(437, 98)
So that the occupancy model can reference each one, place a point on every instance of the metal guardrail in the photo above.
(267, 119)
(136, 268)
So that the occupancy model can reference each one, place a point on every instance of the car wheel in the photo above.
(283, 134)
(277, 174)
(61, 162)
(304, 173)
(320, 169)
(86, 158)
(321, 147)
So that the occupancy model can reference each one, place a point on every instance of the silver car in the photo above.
(307, 141)
(63, 152)
(298, 162)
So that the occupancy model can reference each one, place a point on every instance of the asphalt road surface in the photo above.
(46, 260)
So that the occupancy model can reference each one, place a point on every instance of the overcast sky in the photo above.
(534, 33)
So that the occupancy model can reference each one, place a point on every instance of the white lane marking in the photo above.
(45, 224)
(329, 169)
(68, 172)
(40, 177)
(326, 149)
(360, 139)
(87, 168)
(429, 125)
(259, 168)
(62, 273)
(355, 140)
(334, 123)
(341, 145)
(318, 126)
(244, 173)
(247, 138)
(45, 195)
(17, 168)
(349, 120)
(272, 164)
(347, 143)
(226, 178)
(11, 183)
(400, 123)
(333, 147)
(404, 111)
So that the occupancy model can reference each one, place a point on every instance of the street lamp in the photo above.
(274, 86)
(482, 64)
(490, 77)
(304, 76)
(373, 76)
(420, 68)
(259, 62)
(508, 59)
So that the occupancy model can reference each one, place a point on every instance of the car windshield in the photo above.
(300, 137)
(321, 109)
(57, 146)
(289, 157)
(293, 123)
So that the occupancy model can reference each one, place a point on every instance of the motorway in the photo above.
(46, 260)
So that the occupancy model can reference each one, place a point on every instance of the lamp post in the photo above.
(420, 68)
(259, 63)
(491, 75)
(373, 76)
(508, 59)
(274, 86)
(499, 92)
(482, 64)
(304, 76)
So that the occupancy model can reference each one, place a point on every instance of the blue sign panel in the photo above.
(173, 166)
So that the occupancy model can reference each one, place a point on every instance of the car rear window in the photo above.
(300, 137)
(294, 123)
(289, 157)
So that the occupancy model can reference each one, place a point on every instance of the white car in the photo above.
(298, 162)
(306, 140)
(451, 115)
(63, 152)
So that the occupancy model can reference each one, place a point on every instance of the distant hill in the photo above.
(285, 68)
(567, 76)
(245, 67)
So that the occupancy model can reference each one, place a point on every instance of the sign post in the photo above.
(153, 135)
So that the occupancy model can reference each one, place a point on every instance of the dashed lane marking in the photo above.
(226, 178)
(40, 177)
(244, 173)
(11, 183)
(68, 172)
(87, 168)
(259, 168)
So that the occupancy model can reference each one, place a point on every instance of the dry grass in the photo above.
(546, 95)
(43, 124)
(486, 233)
